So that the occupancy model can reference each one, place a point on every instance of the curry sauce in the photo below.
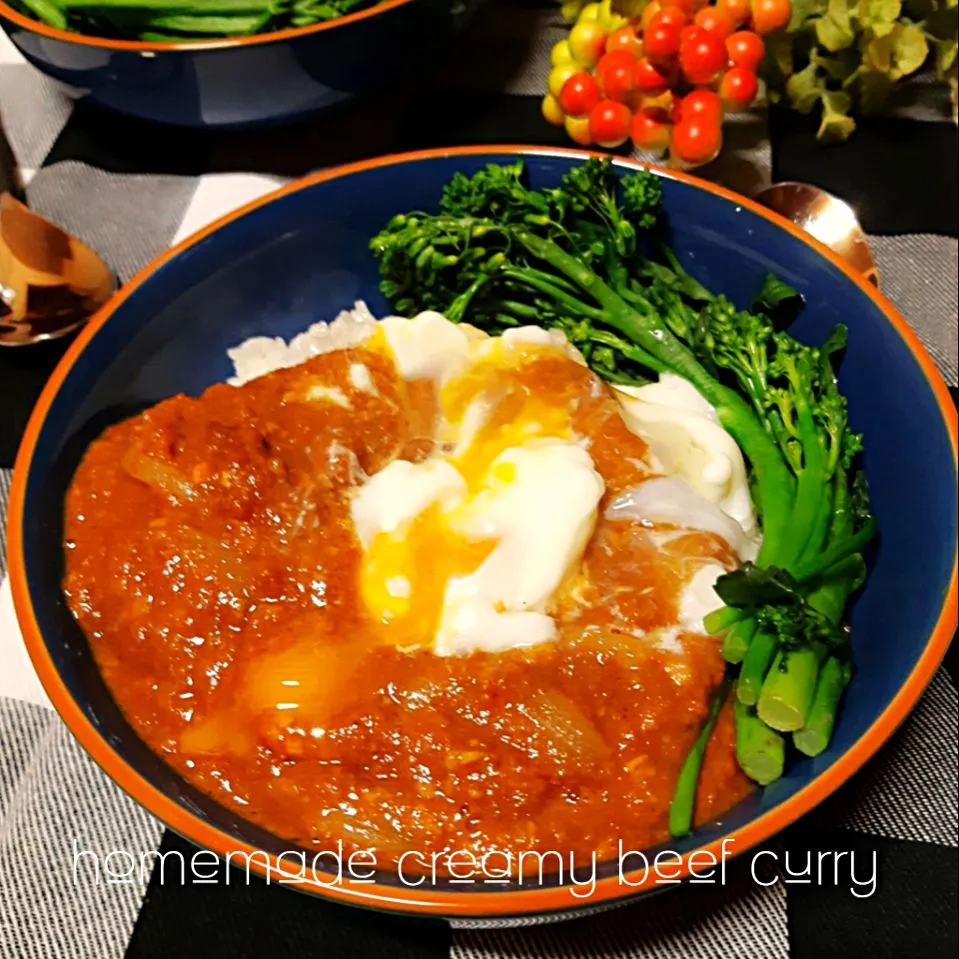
(212, 564)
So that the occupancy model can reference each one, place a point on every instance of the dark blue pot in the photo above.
(243, 82)
(300, 256)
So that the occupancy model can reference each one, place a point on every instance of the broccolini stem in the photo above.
(827, 561)
(723, 618)
(842, 541)
(830, 596)
(788, 690)
(516, 309)
(814, 737)
(644, 329)
(625, 379)
(457, 309)
(738, 636)
(551, 289)
(821, 525)
(692, 286)
(760, 750)
(550, 278)
(632, 352)
(788, 694)
(774, 481)
(811, 485)
(47, 12)
(791, 696)
(840, 519)
(756, 662)
(683, 804)
(830, 599)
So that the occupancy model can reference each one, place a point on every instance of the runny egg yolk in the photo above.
(517, 416)
(410, 561)
(403, 577)
(493, 407)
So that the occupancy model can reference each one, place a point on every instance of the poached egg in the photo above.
(467, 548)
(470, 545)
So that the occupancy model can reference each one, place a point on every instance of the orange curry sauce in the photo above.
(212, 563)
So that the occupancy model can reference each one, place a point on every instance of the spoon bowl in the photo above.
(827, 218)
(50, 282)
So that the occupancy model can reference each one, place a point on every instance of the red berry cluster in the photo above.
(664, 80)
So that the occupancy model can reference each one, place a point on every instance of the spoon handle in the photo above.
(10, 180)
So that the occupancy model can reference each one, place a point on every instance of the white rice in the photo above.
(260, 355)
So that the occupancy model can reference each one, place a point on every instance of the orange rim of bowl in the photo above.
(509, 903)
(216, 43)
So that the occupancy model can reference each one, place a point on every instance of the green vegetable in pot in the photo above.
(587, 258)
(177, 21)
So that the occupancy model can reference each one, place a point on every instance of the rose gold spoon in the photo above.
(825, 217)
(50, 282)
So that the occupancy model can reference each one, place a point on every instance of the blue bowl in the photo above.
(246, 81)
(301, 255)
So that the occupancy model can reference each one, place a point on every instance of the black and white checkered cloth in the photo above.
(130, 190)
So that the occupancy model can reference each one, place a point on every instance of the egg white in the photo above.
(467, 549)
